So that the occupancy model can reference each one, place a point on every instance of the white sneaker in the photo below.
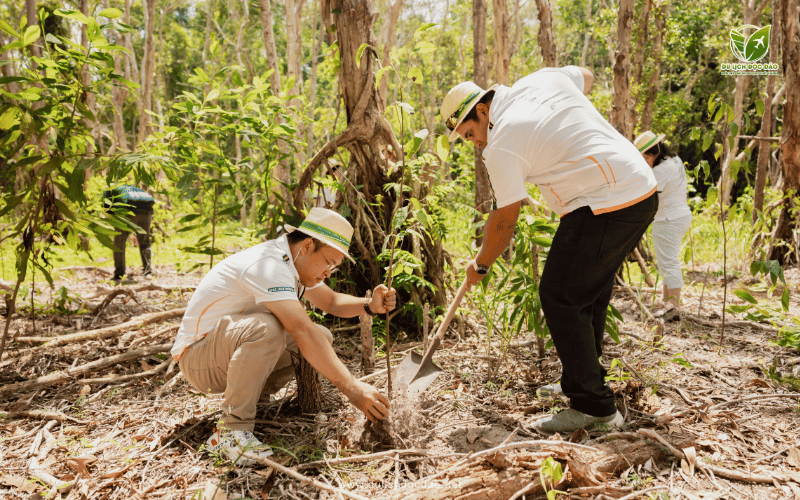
(232, 444)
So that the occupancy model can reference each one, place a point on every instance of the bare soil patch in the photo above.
(701, 422)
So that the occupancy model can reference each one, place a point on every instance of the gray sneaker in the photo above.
(550, 391)
(571, 420)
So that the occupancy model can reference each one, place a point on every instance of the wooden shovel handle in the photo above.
(451, 312)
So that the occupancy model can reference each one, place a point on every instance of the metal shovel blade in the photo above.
(414, 376)
(416, 372)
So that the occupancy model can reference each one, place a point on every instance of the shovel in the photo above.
(417, 372)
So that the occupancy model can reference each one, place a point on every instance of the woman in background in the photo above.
(673, 218)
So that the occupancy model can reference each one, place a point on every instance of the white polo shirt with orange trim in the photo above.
(544, 131)
(238, 285)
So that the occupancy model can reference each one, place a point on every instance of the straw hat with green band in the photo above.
(328, 227)
(647, 140)
(458, 103)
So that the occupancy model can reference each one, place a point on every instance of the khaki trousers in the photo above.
(245, 357)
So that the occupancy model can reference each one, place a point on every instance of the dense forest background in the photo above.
(232, 112)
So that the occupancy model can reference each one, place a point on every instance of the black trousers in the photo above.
(575, 291)
(143, 220)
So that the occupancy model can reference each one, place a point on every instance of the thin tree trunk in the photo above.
(89, 99)
(502, 60)
(294, 44)
(148, 73)
(587, 34)
(118, 96)
(764, 148)
(546, 38)
(282, 170)
(782, 237)
(654, 80)
(620, 109)
(388, 37)
(131, 67)
(319, 34)
(269, 46)
(483, 196)
(517, 29)
(294, 60)
(643, 32)
(30, 13)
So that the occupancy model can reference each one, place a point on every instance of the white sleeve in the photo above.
(506, 177)
(269, 279)
(574, 73)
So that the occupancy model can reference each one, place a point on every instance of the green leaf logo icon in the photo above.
(752, 48)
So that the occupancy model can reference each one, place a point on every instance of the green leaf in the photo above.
(424, 47)
(760, 107)
(359, 52)
(687, 255)
(425, 27)
(711, 195)
(757, 45)
(415, 75)
(8, 28)
(542, 241)
(9, 118)
(110, 13)
(379, 75)
(745, 295)
(213, 94)
(678, 358)
(734, 169)
(400, 217)
(707, 140)
(442, 147)
(236, 78)
(188, 218)
(72, 14)
(785, 299)
(31, 35)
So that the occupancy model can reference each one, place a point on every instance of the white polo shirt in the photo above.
(671, 177)
(544, 131)
(238, 285)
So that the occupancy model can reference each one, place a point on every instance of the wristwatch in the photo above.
(481, 269)
(366, 307)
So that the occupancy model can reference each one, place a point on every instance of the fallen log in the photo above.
(40, 415)
(101, 291)
(67, 375)
(124, 378)
(102, 333)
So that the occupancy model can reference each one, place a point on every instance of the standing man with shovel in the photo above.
(544, 130)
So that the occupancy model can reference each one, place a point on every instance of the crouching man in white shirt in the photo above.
(544, 131)
(245, 320)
